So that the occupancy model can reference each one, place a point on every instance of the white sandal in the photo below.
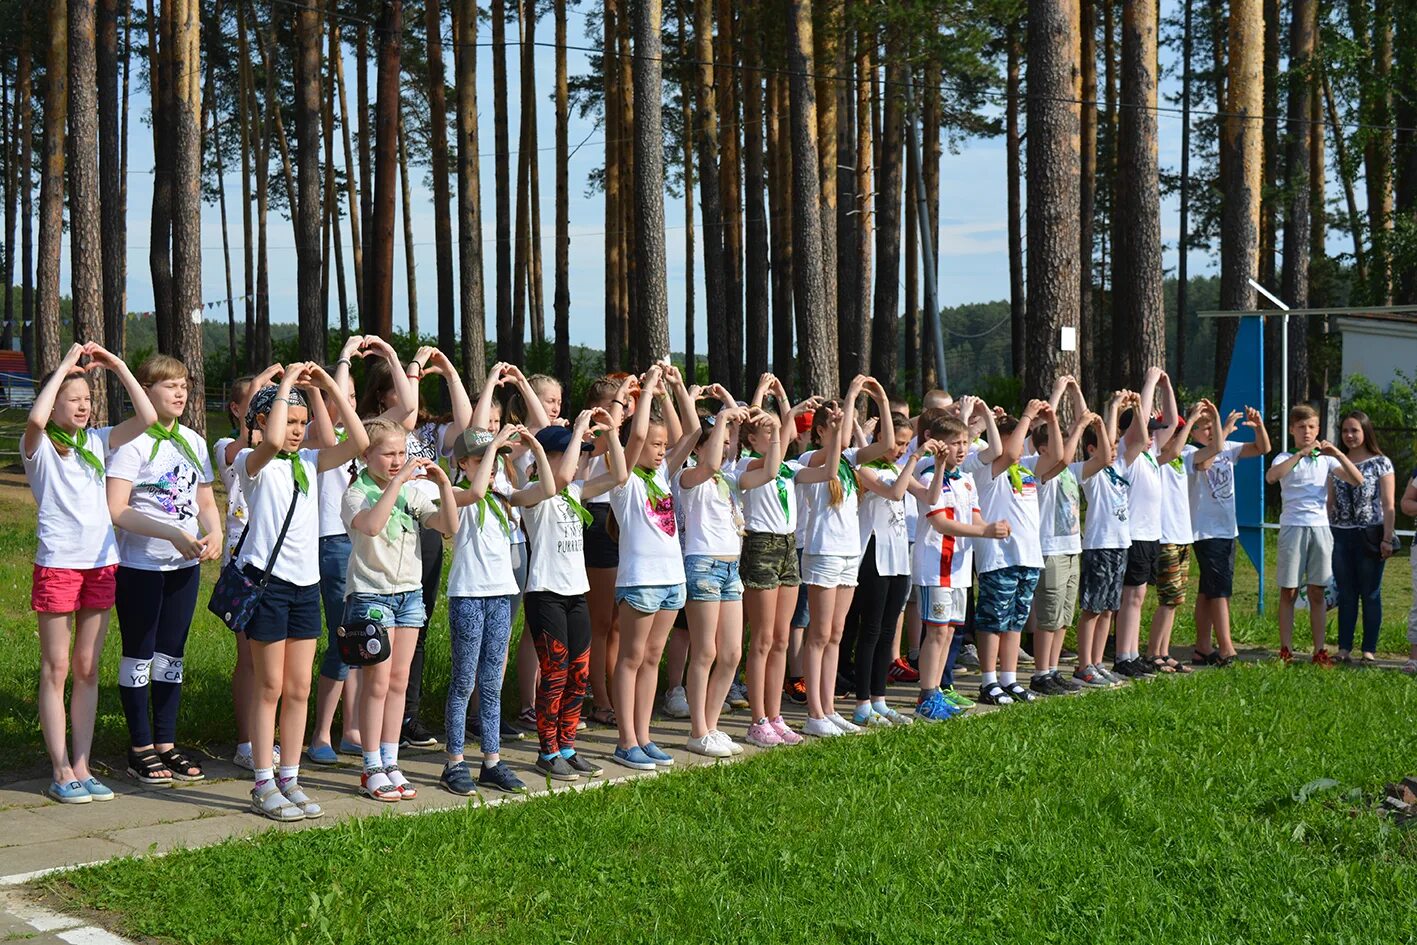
(268, 801)
(300, 799)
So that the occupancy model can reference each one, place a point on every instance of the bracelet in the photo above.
(622, 404)
(343, 361)
(415, 368)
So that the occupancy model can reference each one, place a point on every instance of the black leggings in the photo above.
(432, 576)
(874, 610)
(560, 630)
(154, 615)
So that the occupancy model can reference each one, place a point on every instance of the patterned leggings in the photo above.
(560, 630)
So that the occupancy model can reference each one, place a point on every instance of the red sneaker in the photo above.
(902, 672)
(1284, 654)
(1322, 659)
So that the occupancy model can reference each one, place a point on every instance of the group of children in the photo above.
(659, 498)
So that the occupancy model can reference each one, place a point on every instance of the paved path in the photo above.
(38, 835)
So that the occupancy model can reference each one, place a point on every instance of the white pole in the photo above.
(1283, 364)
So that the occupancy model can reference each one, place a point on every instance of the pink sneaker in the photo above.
(788, 736)
(763, 735)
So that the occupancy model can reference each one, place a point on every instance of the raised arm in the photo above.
(1101, 456)
(1261, 445)
(1174, 446)
(1278, 471)
(436, 362)
(617, 468)
(712, 460)
(356, 440)
(1219, 432)
(871, 480)
(766, 469)
(885, 430)
(639, 425)
(373, 520)
(1054, 459)
(544, 487)
(565, 473)
(536, 417)
(405, 412)
(43, 405)
(446, 520)
(265, 451)
(1346, 471)
(1137, 436)
(1170, 410)
(828, 458)
(1013, 446)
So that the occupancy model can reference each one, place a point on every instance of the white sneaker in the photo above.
(847, 728)
(969, 656)
(242, 759)
(892, 716)
(676, 703)
(1024, 657)
(874, 720)
(733, 747)
(821, 728)
(708, 746)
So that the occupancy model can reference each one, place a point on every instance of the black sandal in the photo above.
(181, 766)
(1208, 658)
(1177, 667)
(144, 767)
(1161, 666)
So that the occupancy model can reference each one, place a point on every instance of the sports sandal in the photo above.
(182, 767)
(406, 790)
(143, 768)
(269, 802)
(376, 785)
(293, 793)
(1159, 664)
(602, 716)
(1176, 665)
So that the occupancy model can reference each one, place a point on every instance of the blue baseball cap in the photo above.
(556, 439)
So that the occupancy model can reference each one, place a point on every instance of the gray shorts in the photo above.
(1101, 581)
(1305, 555)
(1055, 600)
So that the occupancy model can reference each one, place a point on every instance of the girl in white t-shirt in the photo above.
(77, 559)
(649, 583)
(383, 512)
(557, 615)
(481, 588)
(160, 499)
(281, 485)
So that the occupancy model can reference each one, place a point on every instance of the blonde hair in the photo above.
(380, 428)
(543, 382)
(159, 368)
(1301, 413)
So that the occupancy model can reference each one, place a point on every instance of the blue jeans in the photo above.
(481, 627)
(1359, 575)
(334, 561)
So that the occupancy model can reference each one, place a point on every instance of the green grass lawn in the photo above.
(1166, 812)
(206, 720)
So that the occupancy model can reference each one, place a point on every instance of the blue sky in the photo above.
(973, 250)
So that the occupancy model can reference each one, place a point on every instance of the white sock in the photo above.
(244, 748)
(263, 775)
(389, 754)
(289, 772)
(1007, 679)
(372, 761)
(879, 705)
(989, 678)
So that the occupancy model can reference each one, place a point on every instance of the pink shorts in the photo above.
(65, 590)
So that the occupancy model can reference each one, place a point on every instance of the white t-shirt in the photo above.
(710, 517)
(772, 507)
(1011, 495)
(236, 511)
(1107, 524)
(1175, 500)
(1059, 514)
(164, 488)
(1212, 493)
(1145, 500)
(923, 469)
(831, 530)
(333, 482)
(74, 530)
(1304, 492)
(557, 538)
(942, 560)
(268, 495)
(884, 520)
(482, 553)
(649, 533)
(502, 485)
(379, 564)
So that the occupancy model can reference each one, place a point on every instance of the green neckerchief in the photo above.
(61, 437)
(784, 474)
(399, 519)
(647, 476)
(489, 501)
(951, 474)
(1016, 472)
(725, 491)
(341, 434)
(882, 464)
(581, 511)
(1147, 454)
(1116, 477)
(297, 469)
(172, 435)
(846, 476)
(1177, 465)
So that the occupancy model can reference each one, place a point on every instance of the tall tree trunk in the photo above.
(614, 142)
(1319, 291)
(379, 274)
(266, 125)
(309, 208)
(1184, 241)
(730, 187)
(438, 150)
(1119, 321)
(114, 210)
(561, 299)
(405, 202)
(333, 255)
(9, 159)
(471, 305)
(1013, 151)
(886, 318)
(930, 119)
(1345, 173)
(910, 307)
(816, 322)
(630, 313)
(1294, 286)
(366, 136)
(865, 173)
(231, 348)
(508, 345)
(1405, 145)
(1091, 339)
(85, 213)
(1241, 141)
(684, 77)
(23, 186)
(649, 183)
(354, 184)
(1137, 256)
(160, 240)
(706, 141)
(1053, 165)
(186, 141)
(535, 293)
(827, 75)
(51, 191)
(248, 120)
(1269, 190)
(780, 209)
(754, 207)
(848, 283)
(521, 249)
(1377, 152)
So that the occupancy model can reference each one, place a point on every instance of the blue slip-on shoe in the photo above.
(322, 755)
(633, 758)
(98, 790)
(349, 748)
(656, 754)
(70, 792)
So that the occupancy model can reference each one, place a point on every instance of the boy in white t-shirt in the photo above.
(1009, 569)
(1305, 542)
(1213, 524)
(1174, 563)
(942, 558)
(1105, 539)
(1144, 522)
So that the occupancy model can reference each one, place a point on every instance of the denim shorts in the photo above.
(712, 580)
(830, 570)
(652, 598)
(393, 610)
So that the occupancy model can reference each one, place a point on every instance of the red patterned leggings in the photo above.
(560, 630)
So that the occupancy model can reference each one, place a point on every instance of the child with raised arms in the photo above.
(1105, 539)
(77, 560)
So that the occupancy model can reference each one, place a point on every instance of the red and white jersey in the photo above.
(941, 560)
